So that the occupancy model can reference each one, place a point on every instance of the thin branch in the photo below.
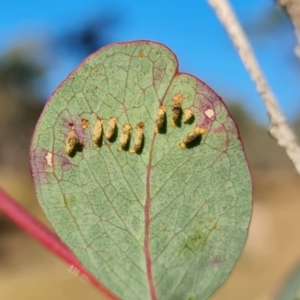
(279, 128)
(293, 9)
(46, 237)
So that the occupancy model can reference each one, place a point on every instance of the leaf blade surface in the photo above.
(166, 223)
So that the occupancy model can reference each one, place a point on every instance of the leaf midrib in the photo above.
(147, 206)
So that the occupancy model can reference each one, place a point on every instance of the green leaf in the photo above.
(163, 223)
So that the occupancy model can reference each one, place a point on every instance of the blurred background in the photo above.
(42, 42)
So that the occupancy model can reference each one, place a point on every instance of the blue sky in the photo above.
(189, 28)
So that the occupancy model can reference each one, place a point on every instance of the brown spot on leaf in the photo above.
(216, 262)
(220, 128)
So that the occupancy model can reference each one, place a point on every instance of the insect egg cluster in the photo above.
(73, 143)
(177, 113)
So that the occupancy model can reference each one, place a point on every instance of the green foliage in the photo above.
(20, 106)
(161, 223)
(19, 70)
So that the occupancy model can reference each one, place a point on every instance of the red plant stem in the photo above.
(46, 237)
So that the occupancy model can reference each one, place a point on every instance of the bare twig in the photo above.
(279, 128)
(46, 237)
(293, 9)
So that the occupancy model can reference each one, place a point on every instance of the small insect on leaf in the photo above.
(160, 118)
(124, 136)
(138, 138)
(188, 115)
(176, 109)
(84, 123)
(72, 142)
(191, 136)
(97, 132)
(111, 127)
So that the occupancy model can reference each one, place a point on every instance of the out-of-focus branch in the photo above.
(46, 237)
(279, 128)
(293, 9)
